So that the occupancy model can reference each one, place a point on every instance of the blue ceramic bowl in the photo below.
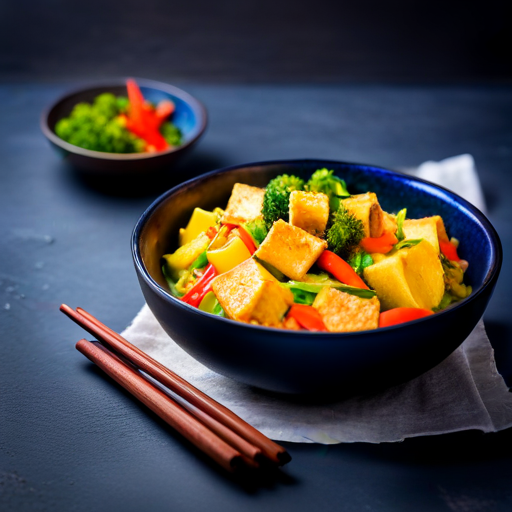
(190, 116)
(307, 362)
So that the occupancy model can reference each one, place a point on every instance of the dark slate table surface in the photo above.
(72, 440)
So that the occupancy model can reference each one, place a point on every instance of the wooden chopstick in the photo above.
(186, 424)
(203, 406)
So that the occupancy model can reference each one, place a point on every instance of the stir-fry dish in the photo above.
(308, 255)
(119, 124)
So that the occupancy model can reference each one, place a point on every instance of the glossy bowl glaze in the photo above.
(308, 362)
(190, 116)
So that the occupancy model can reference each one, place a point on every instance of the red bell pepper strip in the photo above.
(382, 244)
(136, 103)
(449, 250)
(247, 239)
(163, 110)
(202, 286)
(400, 315)
(307, 317)
(340, 269)
(142, 120)
(211, 232)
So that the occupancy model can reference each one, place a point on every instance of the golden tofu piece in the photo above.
(309, 211)
(342, 312)
(290, 249)
(389, 223)
(429, 228)
(244, 205)
(249, 293)
(366, 208)
(409, 278)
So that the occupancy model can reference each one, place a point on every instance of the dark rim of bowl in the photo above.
(496, 248)
(194, 103)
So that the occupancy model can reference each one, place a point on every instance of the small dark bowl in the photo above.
(308, 362)
(190, 116)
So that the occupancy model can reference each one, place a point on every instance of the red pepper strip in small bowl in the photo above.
(382, 244)
(203, 285)
(164, 109)
(143, 121)
(340, 269)
(401, 315)
(449, 250)
(307, 317)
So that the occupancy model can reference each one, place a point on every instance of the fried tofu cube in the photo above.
(343, 312)
(409, 278)
(249, 293)
(244, 205)
(429, 228)
(309, 211)
(389, 223)
(290, 249)
(366, 208)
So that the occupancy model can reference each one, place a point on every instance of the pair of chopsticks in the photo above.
(211, 427)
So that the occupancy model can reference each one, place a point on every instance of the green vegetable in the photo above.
(99, 127)
(315, 288)
(404, 244)
(277, 198)
(210, 304)
(200, 262)
(123, 103)
(359, 261)
(170, 282)
(302, 296)
(324, 181)
(400, 235)
(257, 229)
(453, 279)
(344, 233)
(186, 280)
(447, 299)
(171, 133)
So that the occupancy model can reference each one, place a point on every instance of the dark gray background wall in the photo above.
(256, 41)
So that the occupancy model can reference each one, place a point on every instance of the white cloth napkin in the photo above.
(464, 392)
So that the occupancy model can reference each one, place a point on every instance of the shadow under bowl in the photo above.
(190, 117)
(302, 362)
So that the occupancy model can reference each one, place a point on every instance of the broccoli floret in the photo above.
(99, 128)
(277, 197)
(257, 229)
(123, 103)
(333, 187)
(344, 233)
(171, 133)
(106, 105)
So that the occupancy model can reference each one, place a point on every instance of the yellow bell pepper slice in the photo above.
(185, 255)
(229, 256)
(199, 222)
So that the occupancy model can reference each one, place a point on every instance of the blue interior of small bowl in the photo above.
(185, 117)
